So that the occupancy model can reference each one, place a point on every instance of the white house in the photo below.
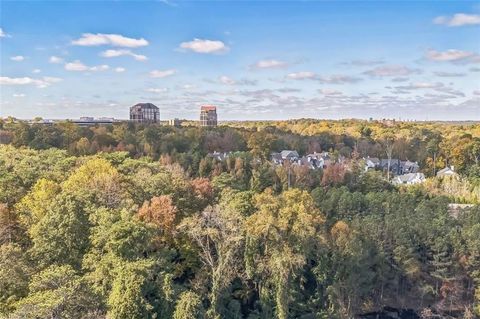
(409, 179)
(447, 171)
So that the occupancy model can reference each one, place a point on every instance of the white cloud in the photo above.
(40, 83)
(449, 55)
(338, 79)
(204, 46)
(120, 69)
(102, 67)
(364, 62)
(90, 39)
(19, 95)
(3, 34)
(188, 87)
(36, 71)
(162, 73)
(55, 60)
(476, 92)
(117, 53)
(157, 90)
(76, 66)
(17, 58)
(51, 79)
(270, 64)
(304, 75)
(437, 86)
(226, 80)
(391, 70)
(458, 19)
(79, 66)
(329, 92)
(5, 80)
(420, 85)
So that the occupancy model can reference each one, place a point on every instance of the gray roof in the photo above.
(145, 106)
(446, 171)
(405, 178)
(288, 153)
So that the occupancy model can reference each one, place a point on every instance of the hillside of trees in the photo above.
(138, 221)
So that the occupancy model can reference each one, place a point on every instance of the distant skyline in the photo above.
(253, 59)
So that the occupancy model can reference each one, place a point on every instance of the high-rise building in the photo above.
(145, 113)
(208, 116)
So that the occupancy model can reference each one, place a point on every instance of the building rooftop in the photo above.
(145, 106)
(208, 108)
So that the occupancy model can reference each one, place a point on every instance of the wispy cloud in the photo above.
(458, 20)
(324, 79)
(123, 52)
(452, 55)
(269, 64)
(449, 74)
(303, 75)
(120, 69)
(204, 46)
(338, 79)
(3, 34)
(157, 90)
(55, 60)
(79, 66)
(17, 58)
(436, 86)
(329, 92)
(162, 73)
(420, 85)
(391, 70)
(364, 62)
(40, 83)
(91, 39)
(226, 80)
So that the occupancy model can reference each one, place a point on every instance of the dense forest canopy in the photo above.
(141, 221)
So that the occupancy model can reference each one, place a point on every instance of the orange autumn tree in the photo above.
(161, 212)
(203, 191)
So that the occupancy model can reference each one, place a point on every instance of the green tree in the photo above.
(189, 306)
(283, 232)
(61, 235)
(57, 292)
(15, 270)
(128, 298)
(220, 239)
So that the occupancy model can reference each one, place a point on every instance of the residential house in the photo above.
(408, 167)
(371, 163)
(289, 155)
(447, 171)
(219, 156)
(394, 165)
(285, 155)
(409, 179)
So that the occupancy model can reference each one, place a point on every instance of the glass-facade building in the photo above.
(208, 116)
(145, 113)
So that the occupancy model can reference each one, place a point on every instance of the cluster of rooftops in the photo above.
(404, 172)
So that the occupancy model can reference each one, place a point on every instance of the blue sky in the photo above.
(253, 59)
